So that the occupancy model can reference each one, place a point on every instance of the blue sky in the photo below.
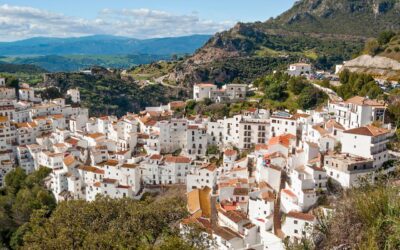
(135, 18)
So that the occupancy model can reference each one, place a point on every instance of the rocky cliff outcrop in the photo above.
(378, 66)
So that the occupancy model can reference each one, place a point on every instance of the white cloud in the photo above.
(18, 22)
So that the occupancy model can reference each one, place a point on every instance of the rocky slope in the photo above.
(325, 32)
(341, 16)
(378, 66)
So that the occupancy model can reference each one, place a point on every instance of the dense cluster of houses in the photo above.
(263, 186)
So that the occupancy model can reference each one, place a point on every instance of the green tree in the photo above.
(22, 196)
(385, 37)
(108, 224)
(296, 85)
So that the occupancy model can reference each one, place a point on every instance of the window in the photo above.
(296, 231)
(295, 222)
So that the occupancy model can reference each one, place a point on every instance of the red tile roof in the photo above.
(301, 216)
(367, 131)
(283, 140)
(91, 169)
(177, 159)
(230, 152)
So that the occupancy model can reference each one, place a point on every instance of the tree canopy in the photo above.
(19, 199)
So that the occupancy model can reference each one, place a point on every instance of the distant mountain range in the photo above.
(103, 45)
(73, 54)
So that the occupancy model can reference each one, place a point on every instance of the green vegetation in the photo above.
(151, 71)
(108, 224)
(357, 84)
(344, 17)
(30, 219)
(238, 70)
(216, 110)
(280, 92)
(23, 196)
(285, 92)
(387, 44)
(108, 94)
(366, 218)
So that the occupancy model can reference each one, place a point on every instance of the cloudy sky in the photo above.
(21, 19)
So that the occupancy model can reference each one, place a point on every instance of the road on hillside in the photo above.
(333, 96)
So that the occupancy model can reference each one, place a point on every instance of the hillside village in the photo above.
(252, 181)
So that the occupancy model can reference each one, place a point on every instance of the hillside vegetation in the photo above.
(108, 94)
(31, 219)
(364, 18)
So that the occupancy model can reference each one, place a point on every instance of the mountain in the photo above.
(103, 45)
(324, 32)
(351, 17)
(20, 68)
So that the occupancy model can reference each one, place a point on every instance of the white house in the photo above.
(202, 91)
(298, 225)
(75, 95)
(298, 69)
(367, 142)
(348, 169)
(358, 111)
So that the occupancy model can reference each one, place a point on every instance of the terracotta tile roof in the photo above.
(226, 233)
(332, 123)
(235, 216)
(143, 136)
(177, 159)
(59, 116)
(109, 181)
(26, 125)
(3, 118)
(359, 100)
(59, 145)
(97, 184)
(268, 196)
(206, 85)
(298, 115)
(230, 152)
(150, 123)
(301, 216)
(241, 191)
(156, 157)
(69, 160)
(320, 129)
(264, 184)
(252, 110)
(283, 140)
(95, 135)
(110, 163)
(300, 64)
(261, 147)
(177, 104)
(289, 192)
(122, 152)
(126, 165)
(210, 167)
(91, 169)
(72, 141)
(368, 131)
